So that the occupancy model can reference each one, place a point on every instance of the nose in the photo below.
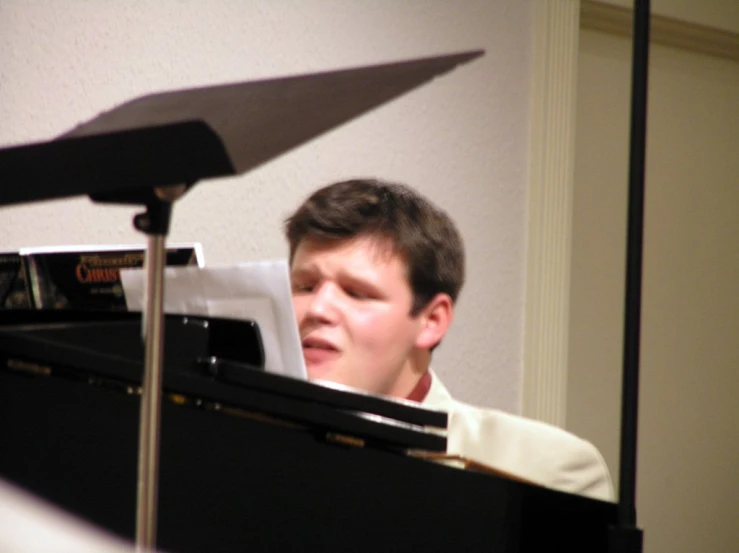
(323, 304)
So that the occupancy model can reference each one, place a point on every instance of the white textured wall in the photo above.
(461, 140)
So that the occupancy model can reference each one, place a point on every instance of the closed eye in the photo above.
(358, 295)
(361, 293)
(301, 287)
(359, 289)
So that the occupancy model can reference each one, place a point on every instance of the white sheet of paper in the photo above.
(258, 290)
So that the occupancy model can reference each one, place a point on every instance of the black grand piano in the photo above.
(249, 461)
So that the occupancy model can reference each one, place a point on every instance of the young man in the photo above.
(375, 271)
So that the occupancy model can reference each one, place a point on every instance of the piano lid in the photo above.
(96, 347)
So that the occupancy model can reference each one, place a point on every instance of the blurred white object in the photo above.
(29, 524)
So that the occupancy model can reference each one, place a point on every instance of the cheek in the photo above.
(299, 306)
(380, 332)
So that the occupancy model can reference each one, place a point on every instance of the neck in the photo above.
(415, 369)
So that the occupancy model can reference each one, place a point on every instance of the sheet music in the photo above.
(259, 291)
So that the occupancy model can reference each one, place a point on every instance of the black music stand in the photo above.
(626, 536)
(151, 150)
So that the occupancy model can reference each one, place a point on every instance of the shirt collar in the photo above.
(422, 388)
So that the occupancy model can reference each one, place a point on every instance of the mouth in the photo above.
(318, 344)
(318, 350)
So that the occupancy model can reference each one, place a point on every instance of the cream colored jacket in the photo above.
(535, 451)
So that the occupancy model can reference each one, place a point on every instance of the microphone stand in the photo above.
(626, 537)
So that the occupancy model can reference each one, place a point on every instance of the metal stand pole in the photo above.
(155, 223)
(626, 537)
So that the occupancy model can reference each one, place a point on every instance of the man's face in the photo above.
(353, 301)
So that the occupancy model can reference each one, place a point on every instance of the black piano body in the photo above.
(250, 461)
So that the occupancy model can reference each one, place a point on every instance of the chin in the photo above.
(328, 373)
(319, 371)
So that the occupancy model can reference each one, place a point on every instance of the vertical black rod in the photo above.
(634, 248)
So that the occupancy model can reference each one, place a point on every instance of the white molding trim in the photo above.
(556, 33)
(666, 31)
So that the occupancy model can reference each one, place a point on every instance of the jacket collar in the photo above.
(438, 397)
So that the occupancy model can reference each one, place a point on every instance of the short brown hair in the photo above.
(423, 235)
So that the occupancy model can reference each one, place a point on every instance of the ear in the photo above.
(435, 320)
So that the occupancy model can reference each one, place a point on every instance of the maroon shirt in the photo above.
(422, 388)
